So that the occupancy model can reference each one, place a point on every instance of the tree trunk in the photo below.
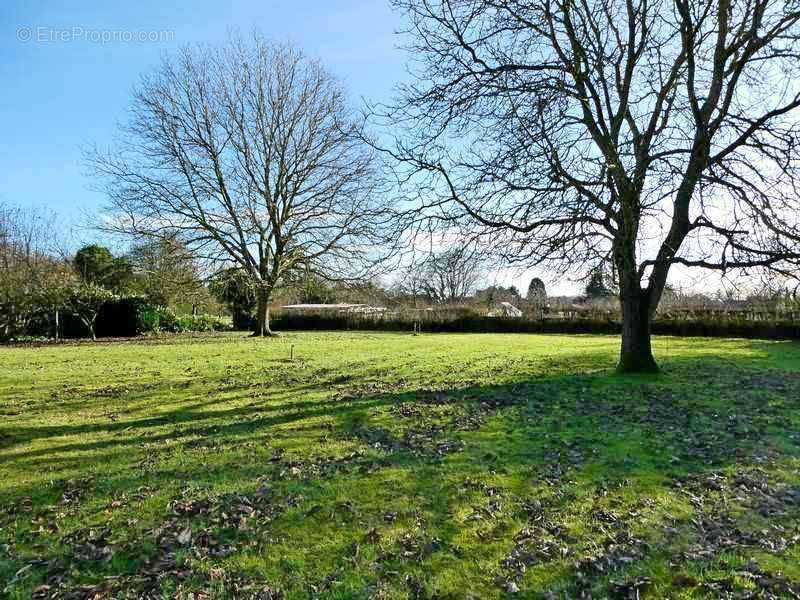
(262, 315)
(636, 354)
(7, 326)
(89, 324)
(90, 328)
(10, 322)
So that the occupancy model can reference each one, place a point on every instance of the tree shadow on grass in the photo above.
(573, 484)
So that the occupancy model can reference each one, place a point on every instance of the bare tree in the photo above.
(446, 277)
(168, 273)
(248, 155)
(33, 270)
(641, 133)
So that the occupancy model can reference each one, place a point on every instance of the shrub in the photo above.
(202, 323)
(482, 324)
(149, 319)
(158, 319)
(233, 288)
(167, 321)
(128, 316)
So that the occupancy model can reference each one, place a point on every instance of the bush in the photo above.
(135, 315)
(158, 319)
(149, 318)
(203, 323)
(482, 324)
(128, 316)
(233, 288)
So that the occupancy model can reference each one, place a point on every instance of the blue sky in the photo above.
(64, 88)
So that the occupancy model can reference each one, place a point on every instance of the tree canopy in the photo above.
(97, 265)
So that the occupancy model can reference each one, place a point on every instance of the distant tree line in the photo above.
(159, 285)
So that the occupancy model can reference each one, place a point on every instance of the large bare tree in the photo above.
(248, 155)
(641, 133)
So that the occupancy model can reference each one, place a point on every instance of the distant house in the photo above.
(505, 309)
(341, 308)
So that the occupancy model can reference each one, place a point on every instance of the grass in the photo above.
(397, 466)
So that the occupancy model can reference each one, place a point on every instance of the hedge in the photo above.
(125, 317)
(481, 324)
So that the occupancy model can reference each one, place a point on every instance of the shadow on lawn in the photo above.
(577, 484)
(271, 396)
(559, 403)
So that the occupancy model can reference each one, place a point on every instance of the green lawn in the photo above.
(395, 466)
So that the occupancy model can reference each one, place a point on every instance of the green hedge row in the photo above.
(479, 324)
(127, 317)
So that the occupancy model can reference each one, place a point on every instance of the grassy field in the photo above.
(395, 466)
